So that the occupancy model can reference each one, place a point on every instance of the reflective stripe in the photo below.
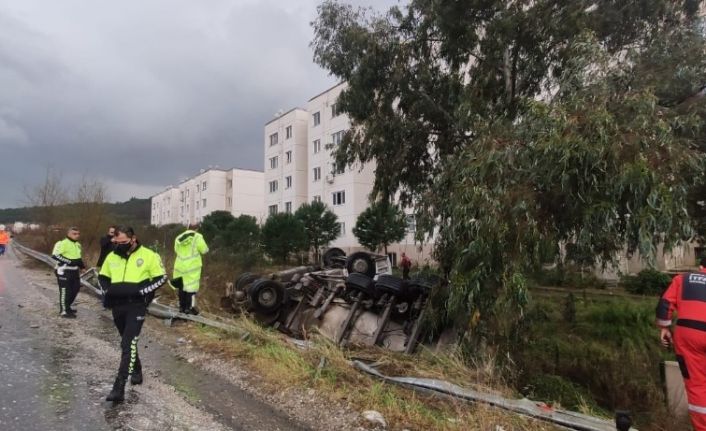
(664, 323)
(133, 355)
(697, 409)
(193, 256)
(62, 298)
(181, 271)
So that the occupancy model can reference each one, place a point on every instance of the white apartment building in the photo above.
(235, 190)
(305, 155)
(285, 171)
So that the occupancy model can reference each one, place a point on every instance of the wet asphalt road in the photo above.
(55, 373)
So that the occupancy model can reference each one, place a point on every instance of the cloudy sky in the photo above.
(140, 94)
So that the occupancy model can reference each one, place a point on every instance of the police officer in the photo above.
(67, 254)
(129, 276)
(188, 247)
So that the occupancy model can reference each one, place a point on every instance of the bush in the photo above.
(556, 389)
(646, 282)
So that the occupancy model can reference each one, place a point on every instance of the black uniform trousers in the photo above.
(128, 318)
(186, 299)
(69, 285)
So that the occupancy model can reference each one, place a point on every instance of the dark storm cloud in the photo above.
(140, 94)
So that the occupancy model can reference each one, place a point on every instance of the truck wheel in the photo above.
(266, 296)
(362, 263)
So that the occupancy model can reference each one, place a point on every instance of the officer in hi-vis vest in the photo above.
(189, 246)
(129, 276)
(67, 254)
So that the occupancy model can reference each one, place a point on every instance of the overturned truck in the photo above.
(351, 299)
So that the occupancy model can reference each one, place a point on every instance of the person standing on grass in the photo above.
(686, 295)
(189, 246)
(129, 277)
(405, 264)
(67, 254)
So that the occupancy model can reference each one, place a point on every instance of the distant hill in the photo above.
(135, 212)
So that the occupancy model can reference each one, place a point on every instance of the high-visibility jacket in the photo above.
(67, 254)
(4, 237)
(131, 279)
(687, 296)
(189, 246)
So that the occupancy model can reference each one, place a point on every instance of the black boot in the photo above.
(136, 378)
(117, 395)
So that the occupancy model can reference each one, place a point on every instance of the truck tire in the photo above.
(266, 296)
(362, 263)
(332, 257)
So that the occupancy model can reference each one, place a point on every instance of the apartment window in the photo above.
(411, 223)
(288, 156)
(335, 112)
(273, 139)
(317, 146)
(273, 162)
(181, 196)
(288, 132)
(203, 186)
(204, 204)
(337, 137)
(288, 207)
(288, 182)
(187, 208)
(197, 204)
(229, 202)
(229, 184)
(339, 198)
(273, 186)
(187, 193)
(317, 198)
(198, 187)
(272, 209)
(317, 174)
(341, 228)
(317, 118)
(338, 169)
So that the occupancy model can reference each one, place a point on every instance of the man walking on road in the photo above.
(67, 254)
(687, 296)
(106, 246)
(189, 246)
(129, 277)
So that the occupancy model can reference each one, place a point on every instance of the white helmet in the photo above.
(2, 227)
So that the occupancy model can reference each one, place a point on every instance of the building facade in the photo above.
(299, 144)
(285, 164)
(235, 190)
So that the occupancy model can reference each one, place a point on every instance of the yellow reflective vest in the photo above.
(67, 254)
(189, 246)
(133, 279)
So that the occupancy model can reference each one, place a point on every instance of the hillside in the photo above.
(135, 211)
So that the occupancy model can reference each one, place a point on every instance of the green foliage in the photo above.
(646, 282)
(134, 212)
(214, 224)
(556, 389)
(567, 276)
(380, 225)
(282, 235)
(320, 224)
(609, 354)
(508, 126)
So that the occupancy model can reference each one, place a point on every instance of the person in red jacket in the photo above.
(4, 239)
(687, 296)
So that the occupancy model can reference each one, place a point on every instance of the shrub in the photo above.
(646, 282)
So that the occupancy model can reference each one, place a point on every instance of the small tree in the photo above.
(46, 200)
(380, 225)
(214, 225)
(320, 225)
(242, 235)
(283, 234)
